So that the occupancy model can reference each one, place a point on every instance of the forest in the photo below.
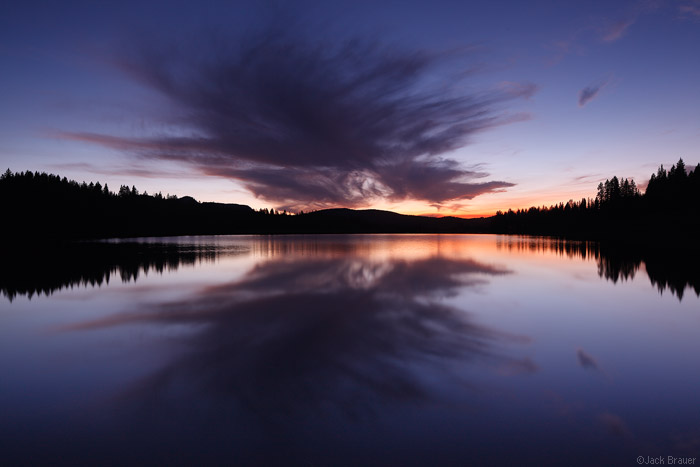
(47, 206)
(669, 207)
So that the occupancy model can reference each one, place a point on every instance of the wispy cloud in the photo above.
(586, 178)
(524, 90)
(594, 31)
(590, 92)
(131, 170)
(690, 10)
(616, 30)
(309, 124)
(614, 425)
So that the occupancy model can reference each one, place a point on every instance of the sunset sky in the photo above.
(420, 107)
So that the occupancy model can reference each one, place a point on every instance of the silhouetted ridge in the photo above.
(378, 221)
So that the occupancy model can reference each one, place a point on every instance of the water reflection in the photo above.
(303, 352)
(347, 349)
(668, 269)
(30, 272)
(324, 333)
(45, 270)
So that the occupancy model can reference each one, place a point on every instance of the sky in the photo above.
(421, 107)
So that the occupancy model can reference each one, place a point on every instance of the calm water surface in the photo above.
(382, 349)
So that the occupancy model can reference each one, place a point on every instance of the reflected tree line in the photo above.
(668, 209)
(30, 272)
(44, 271)
(667, 269)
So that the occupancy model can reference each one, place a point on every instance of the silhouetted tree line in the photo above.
(40, 205)
(47, 206)
(670, 207)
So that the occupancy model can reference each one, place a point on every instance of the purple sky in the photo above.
(443, 107)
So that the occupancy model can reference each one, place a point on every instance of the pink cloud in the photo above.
(690, 10)
(616, 30)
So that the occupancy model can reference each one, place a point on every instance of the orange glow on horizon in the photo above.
(488, 208)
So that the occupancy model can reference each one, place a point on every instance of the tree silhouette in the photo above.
(669, 208)
(38, 204)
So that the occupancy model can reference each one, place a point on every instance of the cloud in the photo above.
(524, 90)
(131, 170)
(590, 92)
(313, 123)
(593, 31)
(690, 10)
(616, 30)
(586, 178)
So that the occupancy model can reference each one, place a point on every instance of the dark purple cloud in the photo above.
(589, 93)
(308, 124)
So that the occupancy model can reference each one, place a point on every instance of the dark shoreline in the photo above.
(40, 207)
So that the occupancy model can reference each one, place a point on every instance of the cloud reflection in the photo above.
(585, 360)
(614, 425)
(326, 333)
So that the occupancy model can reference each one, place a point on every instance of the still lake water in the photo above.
(381, 349)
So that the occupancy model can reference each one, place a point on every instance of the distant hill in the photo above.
(40, 205)
(377, 221)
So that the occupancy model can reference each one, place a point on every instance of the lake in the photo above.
(357, 349)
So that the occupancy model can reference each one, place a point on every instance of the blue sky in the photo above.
(445, 107)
